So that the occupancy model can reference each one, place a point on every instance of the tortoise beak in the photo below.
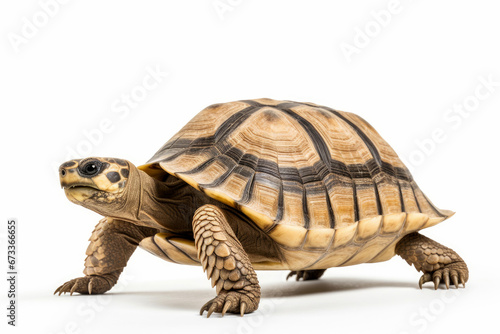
(69, 177)
(76, 188)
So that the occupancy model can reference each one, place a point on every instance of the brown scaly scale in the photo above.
(259, 184)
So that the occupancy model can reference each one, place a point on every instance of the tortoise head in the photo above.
(99, 184)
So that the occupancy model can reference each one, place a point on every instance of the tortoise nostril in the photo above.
(63, 172)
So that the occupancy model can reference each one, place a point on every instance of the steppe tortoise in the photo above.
(259, 184)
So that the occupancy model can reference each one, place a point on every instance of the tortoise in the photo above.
(259, 184)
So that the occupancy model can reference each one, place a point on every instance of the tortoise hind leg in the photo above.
(438, 263)
(306, 275)
(226, 263)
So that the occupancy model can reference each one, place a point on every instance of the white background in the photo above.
(64, 75)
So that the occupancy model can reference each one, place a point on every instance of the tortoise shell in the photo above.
(321, 182)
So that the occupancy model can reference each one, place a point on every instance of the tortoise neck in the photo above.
(161, 205)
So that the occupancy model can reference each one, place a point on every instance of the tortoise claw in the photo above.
(230, 302)
(65, 287)
(243, 308)
(437, 279)
(211, 310)
(93, 284)
(447, 281)
(299, 274)
(227, 305)
(306, 275)
(452, 273)
(424, 279)
(205, 307)
(73, 289)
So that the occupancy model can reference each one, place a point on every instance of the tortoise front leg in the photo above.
(111, 245)
(438, 263)
(226, 263)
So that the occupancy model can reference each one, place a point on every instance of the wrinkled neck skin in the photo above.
(165, 205)
(146, 201)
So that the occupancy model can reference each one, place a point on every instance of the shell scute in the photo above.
(311, 177)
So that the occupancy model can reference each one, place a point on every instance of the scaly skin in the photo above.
(438, 263)
(111, 245)
(226, 263)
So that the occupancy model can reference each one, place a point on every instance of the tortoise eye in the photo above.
(91, 168)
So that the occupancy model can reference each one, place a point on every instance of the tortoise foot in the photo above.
(227, 265)
(438, 263)
(456, 273)
(232, 302)
(89, 285)
(306, 275)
